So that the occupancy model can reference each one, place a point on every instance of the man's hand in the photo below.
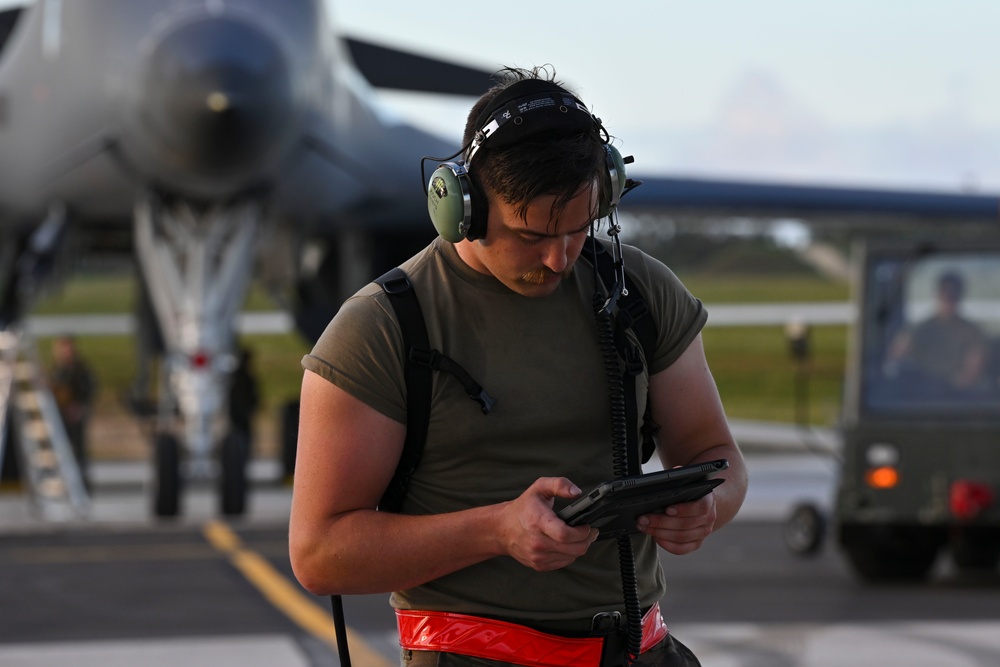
(681, 529)
(535, 536)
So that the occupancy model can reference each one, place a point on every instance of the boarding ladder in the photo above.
(48, 466)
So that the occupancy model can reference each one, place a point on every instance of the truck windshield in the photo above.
(931, 338)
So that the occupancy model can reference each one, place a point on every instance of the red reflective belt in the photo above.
(509, 642)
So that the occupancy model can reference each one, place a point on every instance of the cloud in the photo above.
(762, 132)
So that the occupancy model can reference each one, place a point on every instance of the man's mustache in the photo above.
(544, 274)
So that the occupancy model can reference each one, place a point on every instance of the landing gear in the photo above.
(232, 480)
(234, 454)
(197, 263)
(167, 490)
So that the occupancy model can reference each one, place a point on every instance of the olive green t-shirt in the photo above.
(539, 357)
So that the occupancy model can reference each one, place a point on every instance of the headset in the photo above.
(458, 208)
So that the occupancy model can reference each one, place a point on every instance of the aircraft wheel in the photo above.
(975, 548)
(233, 480)
(892, 553)
(804, 530)
(167, 493)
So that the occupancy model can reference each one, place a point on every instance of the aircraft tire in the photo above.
(233, 480)
(975, 548)
(892, 553)
(167, 493)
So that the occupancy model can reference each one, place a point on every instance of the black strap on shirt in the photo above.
(419, 362)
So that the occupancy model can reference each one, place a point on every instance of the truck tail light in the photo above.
(969, 498)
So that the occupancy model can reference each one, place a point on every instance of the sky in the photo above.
(880, 93)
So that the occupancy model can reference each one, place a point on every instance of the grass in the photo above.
(753, 366)
(763, 289)
(111, 293)
(758, 378)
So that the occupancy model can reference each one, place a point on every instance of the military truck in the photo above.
(921, 416)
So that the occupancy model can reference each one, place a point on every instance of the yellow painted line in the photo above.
(220, 536)
(288, 598)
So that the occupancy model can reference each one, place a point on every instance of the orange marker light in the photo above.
(884, 477)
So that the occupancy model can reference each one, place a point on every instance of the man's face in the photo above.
(62, 352)
(949, 296)
(532, 255)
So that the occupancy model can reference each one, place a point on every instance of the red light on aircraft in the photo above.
(883, 477)
(200, 359)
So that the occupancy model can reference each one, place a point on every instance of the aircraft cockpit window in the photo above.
(932, 334)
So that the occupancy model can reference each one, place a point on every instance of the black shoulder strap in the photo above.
(633, 313)
(418, 363)
(418, 378)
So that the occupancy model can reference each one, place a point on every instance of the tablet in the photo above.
(613, 507)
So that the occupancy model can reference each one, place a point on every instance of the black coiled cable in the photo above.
(616, 392)
(630, 591)
(619, 448)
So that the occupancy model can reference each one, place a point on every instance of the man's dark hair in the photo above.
(548, 163)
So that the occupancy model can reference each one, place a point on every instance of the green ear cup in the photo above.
(448, 201)
(616, 172)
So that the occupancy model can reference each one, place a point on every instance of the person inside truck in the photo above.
(945, 353)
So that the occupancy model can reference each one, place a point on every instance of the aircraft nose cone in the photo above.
(217, 98)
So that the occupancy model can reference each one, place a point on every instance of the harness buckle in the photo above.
(606, 621)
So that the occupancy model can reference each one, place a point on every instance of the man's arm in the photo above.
(347, 453)
(693, 429)
(973, 367)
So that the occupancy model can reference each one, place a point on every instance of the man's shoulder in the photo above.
(416, 267)
(426, 263)
(371, 304)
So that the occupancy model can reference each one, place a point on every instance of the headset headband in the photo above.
(530, 106)
(525, 108)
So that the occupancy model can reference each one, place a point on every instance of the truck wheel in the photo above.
(167, 492)
(804, 530)
(975, 548)
(892, 553)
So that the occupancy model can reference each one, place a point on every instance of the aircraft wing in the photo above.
(387, 67)
(711, 197)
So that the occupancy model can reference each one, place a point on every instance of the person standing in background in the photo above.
(74, 387)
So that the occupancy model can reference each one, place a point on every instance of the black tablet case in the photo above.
(614, 506)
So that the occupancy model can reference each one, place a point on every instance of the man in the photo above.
(73, 387)
(946, 351)
(244, 395)
(477, 548)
